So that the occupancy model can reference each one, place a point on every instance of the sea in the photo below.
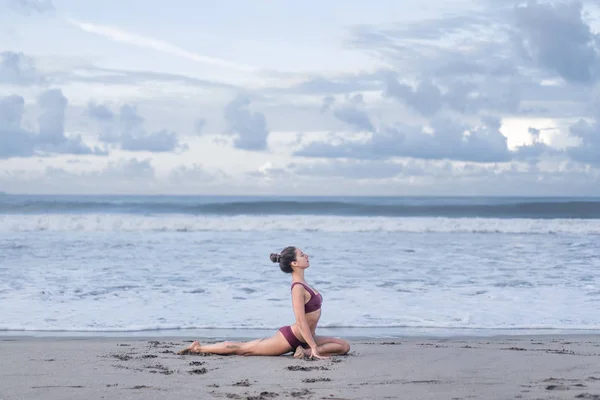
(386, 266)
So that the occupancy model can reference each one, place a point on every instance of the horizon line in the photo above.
(3, 193)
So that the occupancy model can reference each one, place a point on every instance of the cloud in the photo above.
(93, 74)
(119, 35)
(16, 141)
(345, 83)
(461, 95)
(127, 175)
(431, 177)
(448, 140)
(117, 176)
(191, 176)
(492, 60)
(348, 169)
(556, 38)
(199, 126)
(351, 112)
(589, 135)
(249, 128)
(18, 69)
(126, 131)
(425, 46)
(426, 98)
(129, 169)
(28, 7)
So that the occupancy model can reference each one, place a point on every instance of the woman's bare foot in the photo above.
(192, 348)
(300, 352)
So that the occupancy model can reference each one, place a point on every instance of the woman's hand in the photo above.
(315, 354)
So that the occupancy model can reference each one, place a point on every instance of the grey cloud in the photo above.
(589, 150)
(588, 135)
(555, 37)
(161, 141)
(480, 74)
(18, 69)
(415, 48)
(51, 137)
(16, 141)
(447, 142)
(52, 120)
(495, 60)
(100, 112)
(354, 117)
(426, 98)
(533, 152)
(126, 130)
(463, 96)
(350, 112)
(250, 128)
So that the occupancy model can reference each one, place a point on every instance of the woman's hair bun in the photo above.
(275, 257)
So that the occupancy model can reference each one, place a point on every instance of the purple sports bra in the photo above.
(315, 299)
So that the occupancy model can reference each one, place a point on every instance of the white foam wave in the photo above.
(187, 223)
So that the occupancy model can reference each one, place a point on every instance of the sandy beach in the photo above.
(561, 367)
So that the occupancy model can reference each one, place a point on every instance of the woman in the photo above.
(299, 337)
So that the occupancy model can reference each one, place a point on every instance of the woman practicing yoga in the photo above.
(300, 336)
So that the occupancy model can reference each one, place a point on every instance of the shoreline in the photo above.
(251, 334)
(407, 338)
(524, 367)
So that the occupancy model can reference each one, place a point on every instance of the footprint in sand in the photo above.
(198, 371)
(299, 368)
(314, 380)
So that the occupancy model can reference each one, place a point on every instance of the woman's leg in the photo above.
(276, 345)
(327, 346)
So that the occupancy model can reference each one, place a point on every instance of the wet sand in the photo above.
(533, 367)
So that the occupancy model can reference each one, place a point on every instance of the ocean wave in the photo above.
(447, 327)
(395, 207)
(187, 224)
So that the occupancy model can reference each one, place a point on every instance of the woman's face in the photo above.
(302, 260)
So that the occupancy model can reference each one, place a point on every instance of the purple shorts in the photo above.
(291, 338)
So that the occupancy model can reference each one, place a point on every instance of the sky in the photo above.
(287, 97)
